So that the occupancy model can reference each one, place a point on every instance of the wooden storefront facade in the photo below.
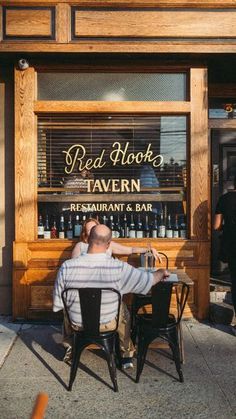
(167, 37)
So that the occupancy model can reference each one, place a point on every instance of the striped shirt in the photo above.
(94, 271)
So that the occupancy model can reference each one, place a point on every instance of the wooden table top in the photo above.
(182, 276)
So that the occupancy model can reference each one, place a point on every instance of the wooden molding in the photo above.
(118, 26)
(200, 4)
(114, 107)
(63, 28)
(93, 46)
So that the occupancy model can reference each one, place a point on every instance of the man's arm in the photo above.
(218, 220)
(57, 300)
(76, 252)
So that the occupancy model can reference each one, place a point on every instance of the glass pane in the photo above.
(112, 86)
(105, 166)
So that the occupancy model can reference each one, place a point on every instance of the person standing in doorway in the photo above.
(225, 220)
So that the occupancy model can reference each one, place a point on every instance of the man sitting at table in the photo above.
(98, 269)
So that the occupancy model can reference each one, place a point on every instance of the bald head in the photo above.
(99, 239)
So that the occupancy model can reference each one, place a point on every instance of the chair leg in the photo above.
(141, 356)
(109, 347)
(76, 353)
(181, 344)
(117, 352)
(133, 333)
(174, 344)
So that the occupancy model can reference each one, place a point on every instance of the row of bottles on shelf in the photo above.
(132, 226)
(64, 230)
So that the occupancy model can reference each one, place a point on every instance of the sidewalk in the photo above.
(30, 359)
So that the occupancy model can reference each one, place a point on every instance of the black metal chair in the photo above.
(88, 301)
(140, 300)
(161, 323)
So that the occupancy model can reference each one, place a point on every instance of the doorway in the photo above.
(223, 146)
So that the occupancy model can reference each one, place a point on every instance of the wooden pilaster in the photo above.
(25, 156)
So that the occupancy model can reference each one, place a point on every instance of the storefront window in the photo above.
(112, 86)
(222, 108)
(127, 171)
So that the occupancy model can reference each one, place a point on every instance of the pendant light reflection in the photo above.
(115, 95)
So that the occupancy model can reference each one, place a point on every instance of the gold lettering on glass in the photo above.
(114, 207)
(75, 157)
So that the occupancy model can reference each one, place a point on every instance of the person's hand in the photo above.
(156, 255)
(160, 275)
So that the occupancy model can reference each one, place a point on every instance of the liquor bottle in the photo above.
(139, 228)
(118, 227)
(155, 227)
(83, 219)
(112, 226)
(104, 219)
(40, 228)
(161, 227)
(69, 231)
(54, 230)
(146, 227)
(132, 229)
(169, 229)
(47, 231)
(176, 228)
(183, 228)
(62, 228)
(125, 228)
(77, 227)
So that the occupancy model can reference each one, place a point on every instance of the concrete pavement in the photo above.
(31, 362)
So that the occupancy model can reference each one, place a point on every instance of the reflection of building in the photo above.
(172, 173)
(148, 178)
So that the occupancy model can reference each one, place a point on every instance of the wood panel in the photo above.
(110, 23)
(201, 290)
(41, 259)
(101, 107)
(199, 165)
(28, 22)
(41, 296)
(20, 296)
(25, 156)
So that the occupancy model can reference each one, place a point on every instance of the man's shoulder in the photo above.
(70, 262)
(91, 259)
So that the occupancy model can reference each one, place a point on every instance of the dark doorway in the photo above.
(223, 146)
